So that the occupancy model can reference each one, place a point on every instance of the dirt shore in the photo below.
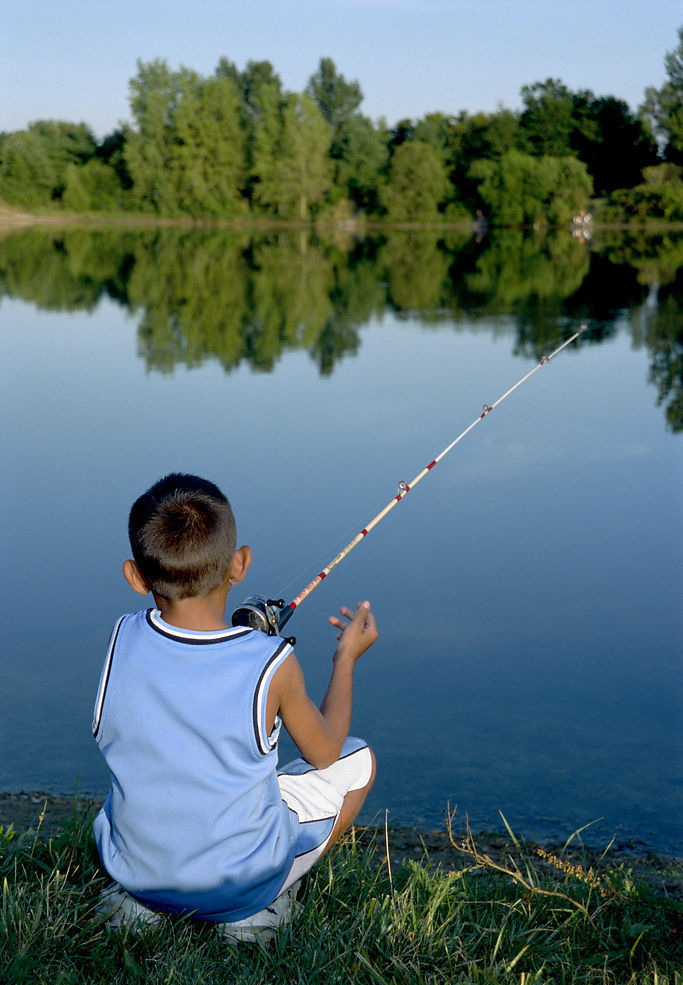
(663, 874)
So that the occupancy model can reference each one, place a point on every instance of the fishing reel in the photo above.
(266, 615)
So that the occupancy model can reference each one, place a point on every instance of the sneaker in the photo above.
(264, 925)
(124, 911)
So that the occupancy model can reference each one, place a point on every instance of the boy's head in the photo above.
(182, 533)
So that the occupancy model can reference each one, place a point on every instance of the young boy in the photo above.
(187, 716)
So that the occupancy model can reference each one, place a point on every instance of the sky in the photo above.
(73, 59)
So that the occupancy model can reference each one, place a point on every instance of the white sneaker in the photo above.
(264, 925)
(124, 911)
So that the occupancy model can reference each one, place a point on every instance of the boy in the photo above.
(187, 716)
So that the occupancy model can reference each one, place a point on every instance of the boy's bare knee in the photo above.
(360, 793)
(373, 771)
(353, 802)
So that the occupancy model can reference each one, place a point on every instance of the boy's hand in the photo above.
(358, 631)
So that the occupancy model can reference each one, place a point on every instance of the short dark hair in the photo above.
(183, 537)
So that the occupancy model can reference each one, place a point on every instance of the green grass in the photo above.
(518, 919)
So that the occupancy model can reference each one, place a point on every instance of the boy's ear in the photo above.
(133, 576)
(239, 566)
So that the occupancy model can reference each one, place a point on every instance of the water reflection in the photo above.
(235, 296)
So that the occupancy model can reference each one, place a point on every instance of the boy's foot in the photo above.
(124, 911)
(264, 925)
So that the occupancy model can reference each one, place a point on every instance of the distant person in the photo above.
(198, 820)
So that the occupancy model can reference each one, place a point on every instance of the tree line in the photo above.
(238, 144)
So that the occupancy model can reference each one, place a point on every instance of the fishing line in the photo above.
(313, 565)
(271, 615)
(341, 538)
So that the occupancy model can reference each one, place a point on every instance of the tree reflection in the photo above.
(236, 296)
(657, 263)
(416, 269)
(518, 269)
(665, 343)
(192, 292)
(291, 283)
(66, 271)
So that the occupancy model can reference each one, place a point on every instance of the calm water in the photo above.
(528, 594)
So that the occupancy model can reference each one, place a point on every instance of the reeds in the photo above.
(521, 919)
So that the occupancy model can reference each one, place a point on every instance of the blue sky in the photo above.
(73, 59)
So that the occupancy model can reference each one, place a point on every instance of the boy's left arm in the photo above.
(317, 742)
(319, 733)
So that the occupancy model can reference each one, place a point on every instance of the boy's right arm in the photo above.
(319, 733)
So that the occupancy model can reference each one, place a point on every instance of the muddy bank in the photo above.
(23, 810)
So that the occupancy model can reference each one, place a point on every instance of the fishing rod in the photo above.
(270, 615)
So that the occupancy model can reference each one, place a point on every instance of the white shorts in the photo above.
(317, 796)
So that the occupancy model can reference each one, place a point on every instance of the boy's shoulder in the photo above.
(146, 625)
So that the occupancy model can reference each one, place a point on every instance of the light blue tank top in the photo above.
(194, 821)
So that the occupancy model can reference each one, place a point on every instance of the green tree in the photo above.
(434, 129)
(469, 138)
(112, 152)
(523, 190)
(547, 117)
(357, 148)
(27, 175)
(92, 187)
(610, 140)
(663, 108)
(186, 152)
(417, 184)
(64, 143)
(34, 162)
(401, 133)
(225, 69)
(207, 159)
(301, 173)
(155, 95)
(363, 162)
(601, 131)
(264, 109)
(658, 196)
(502, 132)
(336, 99)
(262, 105)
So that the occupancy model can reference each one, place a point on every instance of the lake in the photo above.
(528, 592)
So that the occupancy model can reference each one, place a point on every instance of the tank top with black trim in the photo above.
(194, 821)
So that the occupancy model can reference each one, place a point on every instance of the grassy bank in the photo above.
(13, 217)
(506, 916)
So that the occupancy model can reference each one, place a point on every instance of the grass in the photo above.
(520, 918)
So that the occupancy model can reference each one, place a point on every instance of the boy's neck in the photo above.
(201, 613)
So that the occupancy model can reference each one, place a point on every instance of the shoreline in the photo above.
(13, 218)
(433, 848)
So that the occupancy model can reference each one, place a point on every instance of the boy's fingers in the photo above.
(336, 621)
(362, 617)
(369, 619)
(370, 627)
(361, 611)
